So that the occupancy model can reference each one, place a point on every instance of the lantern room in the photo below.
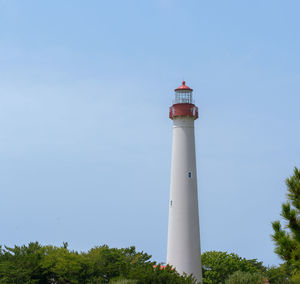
(183, 105)
(183, 94)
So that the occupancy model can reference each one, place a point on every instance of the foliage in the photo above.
(277, 275)
(218, 266)
(50, 264)
(287, 240)
(295, 279)
(122, 281)
(240, 277)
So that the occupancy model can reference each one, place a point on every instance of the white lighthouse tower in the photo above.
(183, 231)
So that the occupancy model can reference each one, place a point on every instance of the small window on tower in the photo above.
(190, 174)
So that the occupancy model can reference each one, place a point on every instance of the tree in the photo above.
(240, 277)
(277, 275)
(122, 281)
(218, 266)
(20, 264)
(287, 239)
(50, 264)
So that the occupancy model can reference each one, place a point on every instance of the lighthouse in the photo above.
(183, 251)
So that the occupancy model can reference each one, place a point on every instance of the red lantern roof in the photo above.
(183, 87)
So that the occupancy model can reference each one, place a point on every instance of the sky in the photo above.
(85, 138)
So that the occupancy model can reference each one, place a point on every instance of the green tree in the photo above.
(277, 275)
(162, 275)
(21, 264)
(50, 264)
(240, 277)
(287, 239)
(60, 265)
(218, 266)
(123, 281)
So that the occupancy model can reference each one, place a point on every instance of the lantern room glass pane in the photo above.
(183, 97)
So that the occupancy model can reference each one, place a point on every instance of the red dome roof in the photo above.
(184, 87)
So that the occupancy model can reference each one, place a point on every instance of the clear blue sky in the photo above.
(85, 138)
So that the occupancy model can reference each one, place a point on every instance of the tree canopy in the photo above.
(240, 277)
(50, 264)
(34, 263)
(287, 239)
(218, 266)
